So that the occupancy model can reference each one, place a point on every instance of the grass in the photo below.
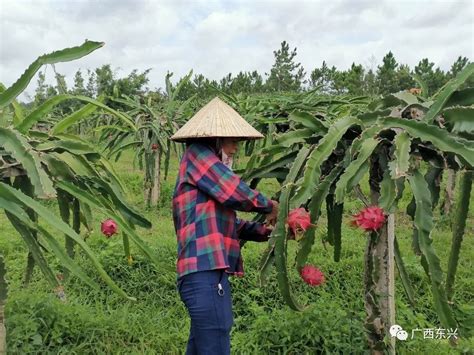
(101, 322)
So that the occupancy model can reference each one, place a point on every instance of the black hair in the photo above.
(211, 142)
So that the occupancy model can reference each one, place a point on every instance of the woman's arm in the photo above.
(253, 231)
(210, 175)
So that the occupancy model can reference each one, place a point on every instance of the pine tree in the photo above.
(323, 77)
(458, 65)
(387, 75)
(354, 80)
(40, 92)
(91, 88)
(257, 82)
(404, 77)
(370, 83)
(78, 88)
(339, 82)
(225, 83)
(61, 86)
(104, 80)
(285, 75)
(433, 79)
(202, 86)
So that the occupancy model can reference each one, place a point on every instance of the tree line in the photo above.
(286, 75)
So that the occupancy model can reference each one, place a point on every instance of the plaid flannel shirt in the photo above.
(206, 194)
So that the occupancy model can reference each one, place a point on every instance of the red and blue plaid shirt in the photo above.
(206, 194)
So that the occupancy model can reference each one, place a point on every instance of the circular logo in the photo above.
(394, 329)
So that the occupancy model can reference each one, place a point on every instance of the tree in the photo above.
(202, 86)
(387, 76)
(91, 84)
(339, 82)
(61, 89)
(78, 88)
(108, 85)
(133, 84)
(40, 92)
(404, 78)
(370, 83)
(433, 79)
(104, 80)
(188, 89)
(225, 83)
(257, 81)
(323, 77)
(61, 85)
(285, 75)
(354, 80)
(458, 65)
(244, 82)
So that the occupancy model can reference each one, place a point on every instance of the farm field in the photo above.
(102, 322)
(354, 119)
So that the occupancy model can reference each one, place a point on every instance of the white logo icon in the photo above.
(397, 331)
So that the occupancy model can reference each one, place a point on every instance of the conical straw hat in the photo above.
(216, 119)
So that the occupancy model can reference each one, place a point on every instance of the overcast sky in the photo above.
(218, 37)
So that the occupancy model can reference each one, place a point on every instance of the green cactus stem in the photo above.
(22, 182)
(3, 298)
(459, 225)
(76, 226)
(448, 195)
(65, 213)
(30, 266)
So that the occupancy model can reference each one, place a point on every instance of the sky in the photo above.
(218, 37)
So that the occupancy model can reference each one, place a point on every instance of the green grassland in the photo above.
(102, 322)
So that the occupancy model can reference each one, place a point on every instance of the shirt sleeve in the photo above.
(210, 175)
(253, 231)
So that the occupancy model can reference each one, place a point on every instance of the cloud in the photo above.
(218, 37)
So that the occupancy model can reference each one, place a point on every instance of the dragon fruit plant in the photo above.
(55, 165)
(399, 142)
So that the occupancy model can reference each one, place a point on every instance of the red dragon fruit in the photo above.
(108, 227)
(154, 147)
(298, 220)
(369, 219)
(312, 275)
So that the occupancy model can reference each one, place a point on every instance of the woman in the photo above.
(207, 193)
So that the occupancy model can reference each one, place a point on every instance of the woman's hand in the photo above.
(271, 218)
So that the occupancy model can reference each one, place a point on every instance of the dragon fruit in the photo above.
(298, 220)
(369, 219)
(108, 227)
(312, 275)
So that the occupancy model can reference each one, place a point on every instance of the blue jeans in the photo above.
(206, 295)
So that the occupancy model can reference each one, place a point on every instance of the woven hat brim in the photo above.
(183, 139)
(216, 119)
